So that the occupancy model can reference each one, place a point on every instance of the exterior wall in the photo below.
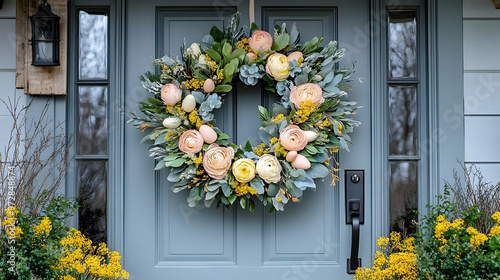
(7, 66)
(481, 38)
(56, 113)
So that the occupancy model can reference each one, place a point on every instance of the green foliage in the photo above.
(456, 249)
(34, 253)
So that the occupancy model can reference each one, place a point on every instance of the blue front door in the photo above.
(166, 239)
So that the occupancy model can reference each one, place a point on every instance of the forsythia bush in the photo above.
(84, 261)
(396, 259)
(452, 250)
(457, 248)
(35, 248)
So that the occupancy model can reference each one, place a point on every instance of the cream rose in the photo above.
(293, 138)
(244, 170)
(260, 41)
(170, 94)
(277, 66)
(191, 141)
(269, 169)
(305, 92)
(295, 56)
(217, 161)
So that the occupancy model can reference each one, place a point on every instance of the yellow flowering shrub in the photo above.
(395, 259)
(81, 258)
(458, 246)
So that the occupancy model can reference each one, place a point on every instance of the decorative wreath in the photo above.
(299, 135)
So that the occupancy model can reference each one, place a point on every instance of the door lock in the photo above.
(355, 178)
(355, 213)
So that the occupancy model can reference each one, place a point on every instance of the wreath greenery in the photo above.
(299, 135)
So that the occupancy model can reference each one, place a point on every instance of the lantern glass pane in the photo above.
(45, 52)
(93, 45)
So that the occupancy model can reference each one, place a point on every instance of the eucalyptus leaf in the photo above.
(211, 194)
(294, 190)
(257, 185)
(208, 203)
(301, 79)
(176, 163)
(198, 96)
(160, 165)
(213, 187)
(194, 197)
(226, 189)
(283, 40)
(318, 171)
(272, 190)
(294, 34)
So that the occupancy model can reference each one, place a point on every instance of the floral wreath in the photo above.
(299, 135)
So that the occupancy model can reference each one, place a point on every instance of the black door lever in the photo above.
(354, 213)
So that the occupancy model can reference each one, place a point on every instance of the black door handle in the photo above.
(354, 214)
(353, 265)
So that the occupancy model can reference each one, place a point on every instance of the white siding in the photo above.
(481, 25)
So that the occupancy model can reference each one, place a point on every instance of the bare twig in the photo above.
(37, 154)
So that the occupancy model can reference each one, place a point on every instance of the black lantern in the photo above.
(45, 36)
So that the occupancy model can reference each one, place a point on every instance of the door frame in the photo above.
(445, 80)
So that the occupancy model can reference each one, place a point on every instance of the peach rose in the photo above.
(217, 161)
(191, 141)
(277, 66)
(260, 41)
(306, 92)
(295, 56)
(170, 94)
(293, 138)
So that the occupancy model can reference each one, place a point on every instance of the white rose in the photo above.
(269, 169)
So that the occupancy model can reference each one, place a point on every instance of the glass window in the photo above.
(92, 124)
(403, 120)
(402, 44)
(93, 46)
(92, 101)
(403, 189)
(92, 194)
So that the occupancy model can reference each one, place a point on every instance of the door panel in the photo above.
(166, 239)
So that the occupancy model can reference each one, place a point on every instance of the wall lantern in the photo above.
(45, 36)
(496, 3)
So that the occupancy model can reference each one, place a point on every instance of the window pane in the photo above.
(93, 38)
(92, 125)
(92, 194)
(403, 120)
(402, 44)
(403, 196)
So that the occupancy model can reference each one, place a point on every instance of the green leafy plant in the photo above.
(30, 243)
